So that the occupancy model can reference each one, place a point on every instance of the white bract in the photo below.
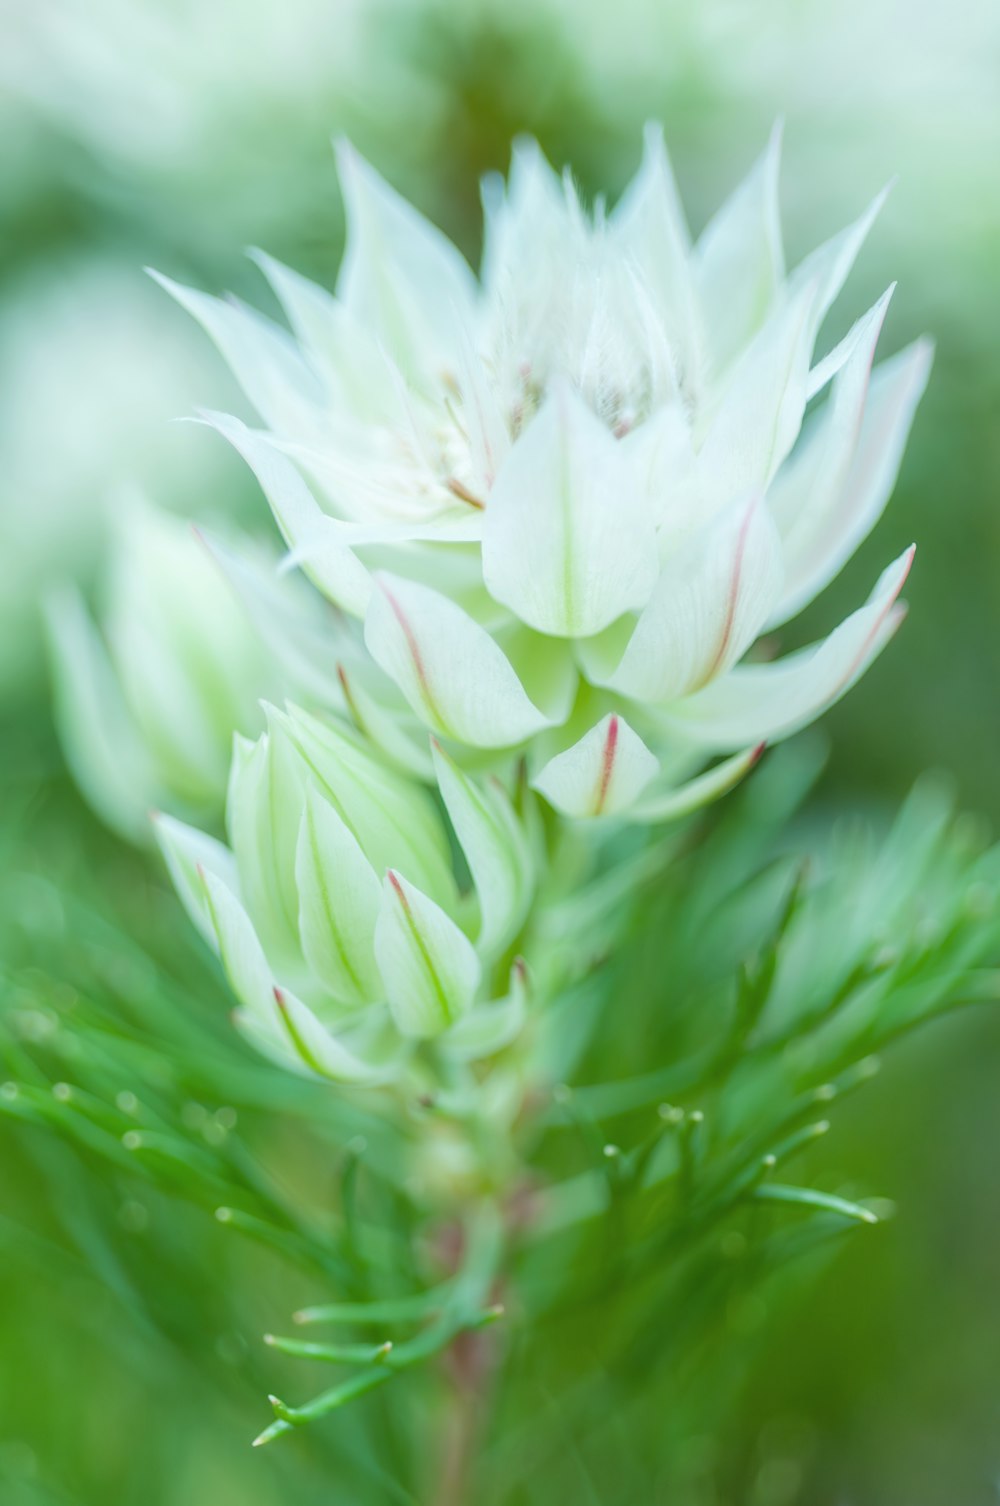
(566, 498)
(335, 908)
(147, 705)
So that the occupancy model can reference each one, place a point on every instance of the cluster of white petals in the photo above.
(566, 498)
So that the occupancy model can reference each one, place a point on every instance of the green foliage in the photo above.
(582, 1325)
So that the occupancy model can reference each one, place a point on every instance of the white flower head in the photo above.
(566, 498)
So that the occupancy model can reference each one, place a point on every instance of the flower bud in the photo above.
(147, 705)
(337, 911)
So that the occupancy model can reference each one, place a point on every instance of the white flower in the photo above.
(84, 408)
(568, 498)
(147, 706)
(335, 909)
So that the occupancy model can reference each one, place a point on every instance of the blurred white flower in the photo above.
(176, 104)
(335, 909)
(567, 499)
(92, 374)
(147, 707)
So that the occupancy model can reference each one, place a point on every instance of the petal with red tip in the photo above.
(429, 967)
(602, 774)
(763, 702)
(453, 674)
(710, 602)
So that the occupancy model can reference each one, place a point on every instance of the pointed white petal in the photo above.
(830, 432)
(739, 261)
(239, 949)
(837, 485)
(672, 804)
(189, 854)
(651, 203)
(275, 1020)
(177, 695)
(357, 368)
(449, 668)
(829, 265)
(710, 602)
(288, 616)
(760, 414)
(400, 275)
(328, 561)
(319, 1051)
(566, 542)
(495, 849)
(392, 818)
(527, 212)
(184, 652)
(100, 740)
(763, 702)
(263, 811)
(262, 357)
(429, 967)
(649, 226)
(488, 1028)
(602, 774)
(389, 727)
(339, 898)
(825, 370)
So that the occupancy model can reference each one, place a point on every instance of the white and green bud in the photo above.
(147, 703)
(337, 908)
(568, 497)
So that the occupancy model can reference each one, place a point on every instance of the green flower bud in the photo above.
(147, 704)
(337, 911)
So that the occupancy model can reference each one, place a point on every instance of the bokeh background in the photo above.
(176, 133)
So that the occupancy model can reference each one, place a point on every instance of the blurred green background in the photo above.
(177, 133)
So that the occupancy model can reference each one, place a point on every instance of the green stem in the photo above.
(464, 1309)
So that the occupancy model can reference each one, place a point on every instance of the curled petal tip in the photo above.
(908, 564)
